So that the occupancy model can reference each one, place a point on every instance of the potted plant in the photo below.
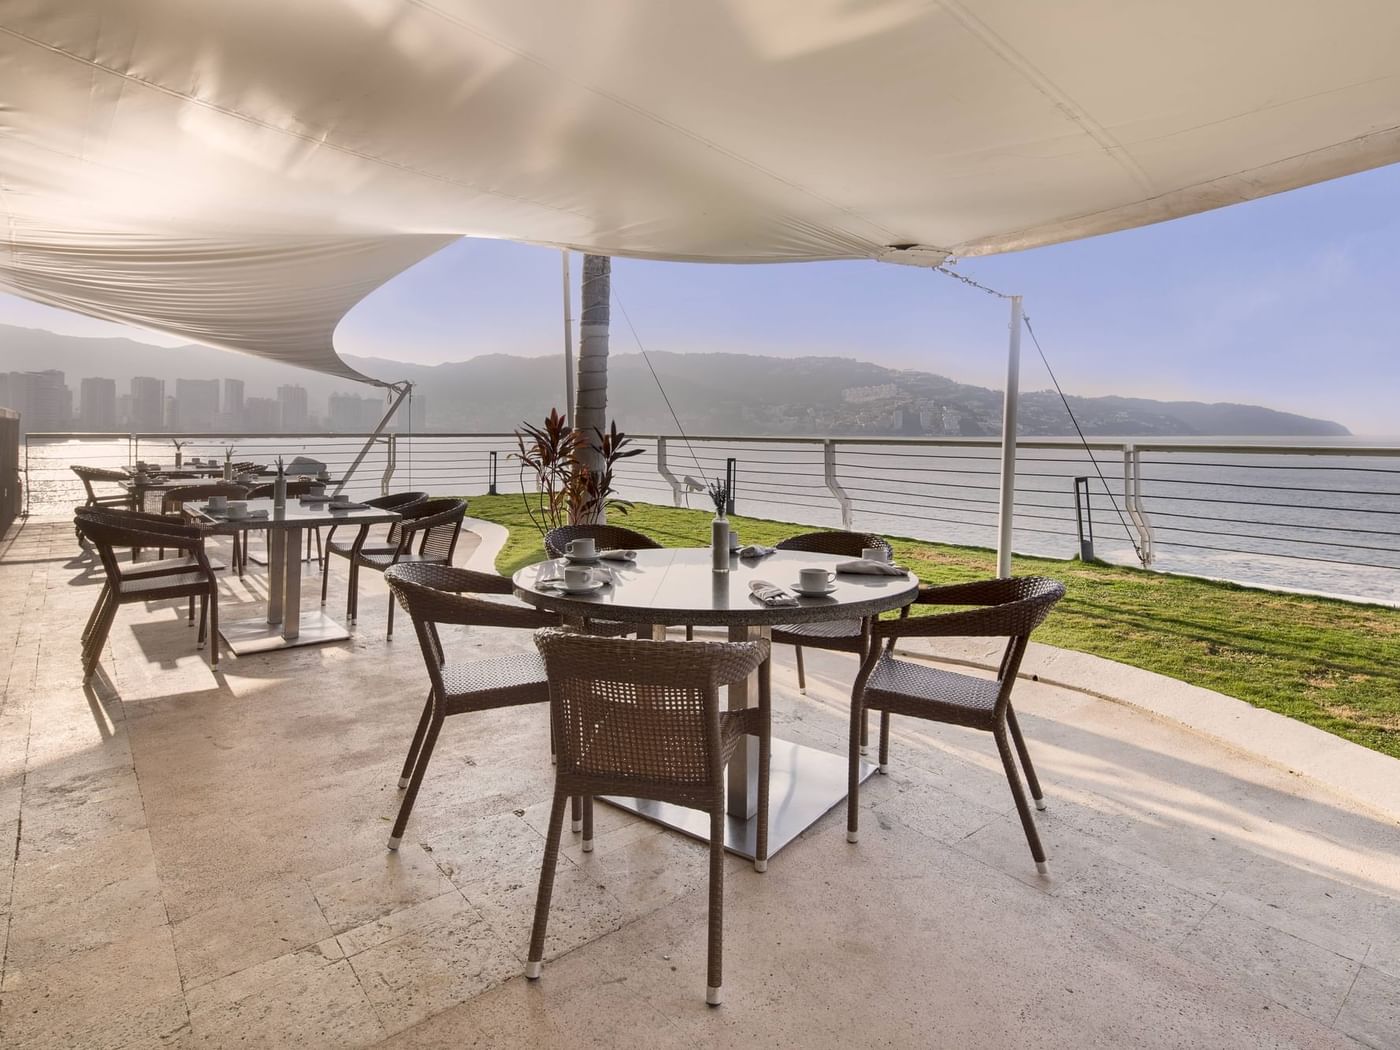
(565, 490)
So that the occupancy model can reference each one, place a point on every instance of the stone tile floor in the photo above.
(197, 859)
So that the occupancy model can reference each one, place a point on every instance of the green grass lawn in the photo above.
(1332, 664)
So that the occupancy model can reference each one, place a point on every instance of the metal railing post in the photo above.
(1132, 502)
(1084, 519)
(1140, 513)
(731, 476)
(833, 485)
(665, 472)
(491, 475)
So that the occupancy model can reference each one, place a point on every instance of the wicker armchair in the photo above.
(399, 501)
(605, 537)
(427, 536)
(173, 500)
(152, 524)
(1008, 608)
(438, 594)
(842, 636)
(125, 588)
(91, 476)
(644, 719)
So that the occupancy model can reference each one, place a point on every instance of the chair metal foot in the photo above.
(403, 782)
(588, 845)
(578, 825)
(714, 996)
(853, 836)
(394, 841)
(864, 748)
(532, 970)
(1040, 804)
(760, 866)
(1042, 867)
(884, 769)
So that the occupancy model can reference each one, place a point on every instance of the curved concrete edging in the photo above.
(493, 538)
(1362, 775)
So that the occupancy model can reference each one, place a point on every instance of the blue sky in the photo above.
(1285, 301)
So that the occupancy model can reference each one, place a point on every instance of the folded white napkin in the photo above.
(771, 594)
(756, 550)
(618, 555)
(866, 567)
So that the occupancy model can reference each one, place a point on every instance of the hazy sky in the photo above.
(1286, 301)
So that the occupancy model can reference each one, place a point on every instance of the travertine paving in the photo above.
(197, 860)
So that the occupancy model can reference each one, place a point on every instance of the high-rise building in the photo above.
(350, 413)
(292, 412)
(42, 399)
(147, 405)
(124, 411)
(196, 404)
(260, 415)
(233, 404)
(97, 408)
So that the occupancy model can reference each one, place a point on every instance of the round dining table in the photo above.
(679, 587)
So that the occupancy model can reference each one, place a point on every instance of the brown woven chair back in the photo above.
(135, 519)
(633, 713)
(433, 527)
(401, 502)
(89, 475)
(172, 500)
(607, 537)
(295, 487)
(108, 534)
(841, 544)
(1009, 608)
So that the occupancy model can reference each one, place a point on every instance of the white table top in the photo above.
(677, 586)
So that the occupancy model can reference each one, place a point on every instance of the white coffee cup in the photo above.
(577, 578)
(583, 548)
(218, 502)
(815, 580)
(237, 508)
(875, 554)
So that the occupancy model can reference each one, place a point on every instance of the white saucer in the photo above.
(820, 592)
(588, 588)
(574, 559)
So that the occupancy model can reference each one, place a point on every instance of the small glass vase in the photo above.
(279, 492)
(719, 544)
(228, 470)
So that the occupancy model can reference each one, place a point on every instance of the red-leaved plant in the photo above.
(566, 491)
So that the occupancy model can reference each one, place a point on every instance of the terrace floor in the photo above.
(197, 859)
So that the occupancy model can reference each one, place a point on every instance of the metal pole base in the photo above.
(394, 841)
(532, 971)
(713, 996)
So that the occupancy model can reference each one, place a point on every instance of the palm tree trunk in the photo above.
(591, 409)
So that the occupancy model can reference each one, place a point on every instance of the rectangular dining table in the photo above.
(286, 624)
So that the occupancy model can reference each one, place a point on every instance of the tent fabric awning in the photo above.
(242, 174)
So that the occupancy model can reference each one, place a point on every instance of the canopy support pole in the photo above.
(568, 346)
(402, 389)
(1008, 442)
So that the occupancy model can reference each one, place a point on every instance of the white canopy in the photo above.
(243, 173)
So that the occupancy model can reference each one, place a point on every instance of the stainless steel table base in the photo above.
(793, 807)
(259, 636)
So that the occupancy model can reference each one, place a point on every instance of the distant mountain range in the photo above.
(713, 393)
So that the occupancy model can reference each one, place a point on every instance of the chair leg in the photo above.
(99, 638)
(214, 629)
(576, 813)
(1022, 806)
(853, 773)
(389, 633)
(551, 861)
(325, 577)
(415, 781)
(1031, 779)
(864, 732)
(96, 610)
(191, 619)
(353, 593)
(884, 741)
(203, 621)
(714, 969)
(801, 672)
(412, 759)
(588, 823)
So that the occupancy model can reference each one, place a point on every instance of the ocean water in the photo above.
(1320, 523)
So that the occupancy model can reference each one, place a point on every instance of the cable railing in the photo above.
(1316, 518)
